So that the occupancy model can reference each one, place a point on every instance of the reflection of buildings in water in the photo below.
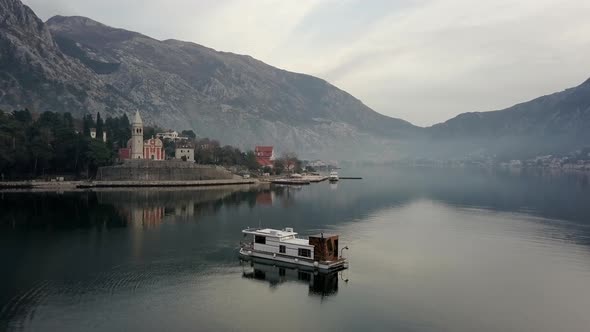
(145, 217)
(185, 209)
(264, 198)
(320, 283)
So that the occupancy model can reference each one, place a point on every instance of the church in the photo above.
(137, 148)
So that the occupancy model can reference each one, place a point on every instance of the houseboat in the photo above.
(318, 252)
(333, 176)
(320, 283)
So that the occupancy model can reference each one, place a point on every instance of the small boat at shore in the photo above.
(333, 176)
(317, 252)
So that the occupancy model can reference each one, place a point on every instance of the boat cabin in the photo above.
(325, 246)
(285, 243)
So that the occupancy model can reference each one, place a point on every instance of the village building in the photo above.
(93, 134)
(185, 152)
(171, 135)
(264, 155)
(137, 148)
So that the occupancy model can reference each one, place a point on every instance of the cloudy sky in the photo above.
(421, 60)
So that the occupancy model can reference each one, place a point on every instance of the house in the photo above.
(93, 134)
(171, 135)
(185, 152)
(264, 155)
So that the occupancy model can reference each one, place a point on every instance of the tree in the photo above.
(250, 161)
(97, 154)
(291, 162)
(279, 166)
(99, 126)
(87, 123)
(189, 133)
(23, 116)
(169, 149)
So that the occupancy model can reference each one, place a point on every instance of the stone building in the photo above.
(185, 152)
(137, 148)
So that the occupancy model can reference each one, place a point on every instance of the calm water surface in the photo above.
(430, 250)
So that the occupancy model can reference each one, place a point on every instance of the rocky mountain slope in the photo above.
(78, 65)
(35, 73)
(554, 123)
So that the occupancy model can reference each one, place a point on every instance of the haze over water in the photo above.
(430, 250)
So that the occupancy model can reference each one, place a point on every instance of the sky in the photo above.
(424, 61)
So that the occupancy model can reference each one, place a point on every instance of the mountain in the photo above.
(35, 73)
(77, 65)
(556, 123)
(81, 66)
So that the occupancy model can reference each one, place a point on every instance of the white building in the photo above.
(172, 135)
(185, 151)
(137, 137)
(93, 134)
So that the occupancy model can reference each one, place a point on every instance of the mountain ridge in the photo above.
(78, 65)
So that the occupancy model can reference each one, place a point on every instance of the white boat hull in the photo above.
(325, 266)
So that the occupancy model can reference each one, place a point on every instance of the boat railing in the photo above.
(246, 245)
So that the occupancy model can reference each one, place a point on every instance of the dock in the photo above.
(350, 178)
(297, 182)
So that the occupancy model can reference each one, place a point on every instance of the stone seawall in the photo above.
(169, 170)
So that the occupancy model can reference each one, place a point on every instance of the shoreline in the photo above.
(71, 185)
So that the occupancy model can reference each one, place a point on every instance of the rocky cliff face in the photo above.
(35, 73)
(78, 65)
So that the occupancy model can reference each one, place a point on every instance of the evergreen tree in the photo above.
(88, 123)
(99, 127)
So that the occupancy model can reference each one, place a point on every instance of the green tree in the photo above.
(250, 161)
(99, 126)
(87, 124)
(189, 133)
(97, 154)
(279, 166)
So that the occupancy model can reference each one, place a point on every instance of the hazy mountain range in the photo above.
(77, 65)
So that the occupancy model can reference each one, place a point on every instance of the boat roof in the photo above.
(324, 235)
(297, 241)
(268, 232)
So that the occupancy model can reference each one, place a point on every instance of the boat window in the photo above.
(260, 239)
(282, 249)
(304, 252)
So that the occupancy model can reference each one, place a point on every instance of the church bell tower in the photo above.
(137, 137)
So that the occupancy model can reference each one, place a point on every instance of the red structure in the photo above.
(124, 153)
(265, 155)
(153, 149)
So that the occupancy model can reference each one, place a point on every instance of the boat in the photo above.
(333, 176)
(320, 283)
(317, 252)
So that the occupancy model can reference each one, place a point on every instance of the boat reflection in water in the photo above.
(320, 283)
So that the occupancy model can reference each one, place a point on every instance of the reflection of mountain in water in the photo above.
(320, 284)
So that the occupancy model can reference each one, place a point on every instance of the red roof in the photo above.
(264, 149)
(264, 162)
